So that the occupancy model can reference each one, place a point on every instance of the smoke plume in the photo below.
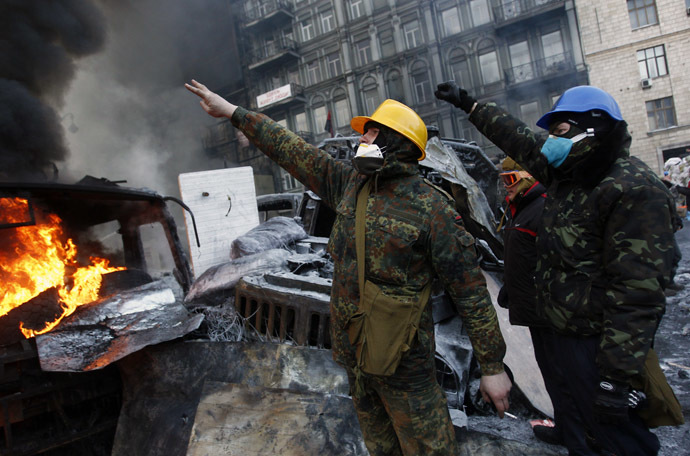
(96, 87)
(39, 44)
(136, 121)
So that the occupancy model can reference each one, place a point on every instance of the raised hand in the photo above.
(450, 92)
(213, 104)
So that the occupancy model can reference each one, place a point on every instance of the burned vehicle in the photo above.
(114, 254)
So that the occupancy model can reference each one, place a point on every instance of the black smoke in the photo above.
(40, 42)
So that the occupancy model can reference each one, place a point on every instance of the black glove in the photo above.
(450, 92)
(614, 399)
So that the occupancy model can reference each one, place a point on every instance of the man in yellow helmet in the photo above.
(381, 326)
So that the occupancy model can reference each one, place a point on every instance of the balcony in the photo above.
(267, 14)
(511, 11)
(281, 97)
(273, 53)
(217, 135)
(555, 65)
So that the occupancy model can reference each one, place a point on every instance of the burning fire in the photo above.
(40, 260)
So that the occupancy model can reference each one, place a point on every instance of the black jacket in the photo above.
(519, 294)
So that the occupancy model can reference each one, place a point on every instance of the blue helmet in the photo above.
(582, 99)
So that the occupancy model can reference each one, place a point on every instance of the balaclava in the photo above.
(392, 144)
(580, 122)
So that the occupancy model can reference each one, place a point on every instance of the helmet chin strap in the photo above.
(588, 133)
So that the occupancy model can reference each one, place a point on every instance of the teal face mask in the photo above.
(556, 148)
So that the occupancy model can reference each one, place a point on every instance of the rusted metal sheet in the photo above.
(243, 420)
(107, 330)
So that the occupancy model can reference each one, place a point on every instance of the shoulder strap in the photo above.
(360, 230)
(438, 188)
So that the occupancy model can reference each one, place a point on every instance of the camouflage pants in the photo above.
(403, 414)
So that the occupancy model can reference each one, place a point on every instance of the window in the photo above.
(334, 66)
(661, 113)
(488, 64)
(652, 62)
(379, 4)
(480, 12)
(460, 68)
(394, 84)
(641, 12)
(301, 122)
(342, 112)
(320, 116)
(307, 28)
(293, 75)
(521, 61)
(269, 47)
(289, 182)
(510, 8)
(413, 34)
(554, 100)
(469, 131)
(313, 73)
(363, 51)
(327, 21)
(450, 21)
(421, 83)
(387, 43)
(529, 113)
(356, 8)
(554, 54)
(370, 95)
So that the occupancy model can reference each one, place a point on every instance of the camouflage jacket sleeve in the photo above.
(638, 254)
(454, 258)
(314, 168)
(514, 138)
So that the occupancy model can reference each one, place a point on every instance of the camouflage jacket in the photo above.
(605, 245)
(411, 237)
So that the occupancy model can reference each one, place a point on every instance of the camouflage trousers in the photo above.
(403, 414)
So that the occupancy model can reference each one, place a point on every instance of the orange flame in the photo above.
(38, 260)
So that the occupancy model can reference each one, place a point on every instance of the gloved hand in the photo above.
(450, 92)
(613, 400)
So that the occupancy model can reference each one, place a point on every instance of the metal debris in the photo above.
(107, 330)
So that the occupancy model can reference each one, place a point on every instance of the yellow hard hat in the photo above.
(398, 117)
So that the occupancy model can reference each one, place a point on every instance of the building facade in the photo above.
(304, 60)
(638, 51)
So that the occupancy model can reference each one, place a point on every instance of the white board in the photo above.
(520, 354)
(224, 205)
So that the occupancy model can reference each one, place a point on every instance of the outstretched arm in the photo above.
(213, 104)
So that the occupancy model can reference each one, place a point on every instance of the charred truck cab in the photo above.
(133, 231)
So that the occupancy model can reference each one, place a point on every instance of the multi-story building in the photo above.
(306, 59)
(637, 51)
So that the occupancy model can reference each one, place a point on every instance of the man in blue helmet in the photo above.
(605, 252)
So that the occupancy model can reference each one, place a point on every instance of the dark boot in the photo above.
(548, 434)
